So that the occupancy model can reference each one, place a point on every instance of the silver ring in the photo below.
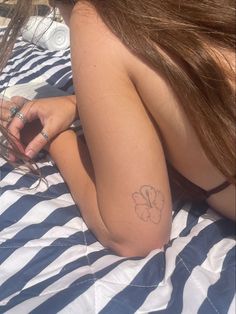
(45, 135)
(21, 116)
(13, 111)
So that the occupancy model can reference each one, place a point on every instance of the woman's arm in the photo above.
(131, 182)
(132, 185)
(72, 158)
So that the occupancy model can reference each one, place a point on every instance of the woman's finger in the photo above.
(8, 110)
(5, 114)
(26, 114)
(19, 101)
(17, 123)
(37, 143)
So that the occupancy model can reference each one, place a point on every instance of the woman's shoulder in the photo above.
(95, 41)
(85, 10)
(89, 24)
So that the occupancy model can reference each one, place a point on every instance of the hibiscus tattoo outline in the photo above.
(149, 203)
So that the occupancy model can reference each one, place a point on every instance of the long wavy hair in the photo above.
(193, 32)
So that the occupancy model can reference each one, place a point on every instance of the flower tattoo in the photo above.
(149, 203)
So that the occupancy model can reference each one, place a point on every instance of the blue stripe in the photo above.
(68, 86)
(65, 79)
(28, 58)
(39, 61)
(36, 289)
(133, 296)
(54, 78)
(194, 254)
(27, 179)
(9, 66)
(65, 297)
(22, 44)
(89, 236)
(35, 74)
(42, 71)
(60, 83)
(195, 212)
(59, 217)
(222, 293)
(60, 300)
(22, 206)
(31, 53)
(40, 261)
(52, 60)
(5, 170)
(17, 56)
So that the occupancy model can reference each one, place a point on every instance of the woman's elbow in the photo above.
(136, 249)
(136, 242)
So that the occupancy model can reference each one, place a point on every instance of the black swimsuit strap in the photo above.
(194, 191)
(218, 188)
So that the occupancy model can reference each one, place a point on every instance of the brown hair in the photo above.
(182, 39)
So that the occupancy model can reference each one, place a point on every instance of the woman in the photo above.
(154, 83)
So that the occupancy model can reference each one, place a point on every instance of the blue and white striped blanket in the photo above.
(51, 263)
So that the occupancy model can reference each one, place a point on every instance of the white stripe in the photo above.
(24, 254)
(9, 197)
(37, 214)
(102, 290)
(105, 289)
(2, 161)
(232, 308)
(29, 305)
(179, 222)
(46, 75)
(60, 285)
(203, 276)
(160, 296)
(15, 62)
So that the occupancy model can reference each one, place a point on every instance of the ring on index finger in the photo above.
(21, 116)
(13, 111)
(45, 135)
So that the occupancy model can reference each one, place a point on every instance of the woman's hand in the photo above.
(8, 108)
(55, 115)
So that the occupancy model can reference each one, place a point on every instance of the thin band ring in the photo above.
(45, 135)
(13, 111)
(21, 116)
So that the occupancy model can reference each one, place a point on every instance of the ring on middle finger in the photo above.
(21, 116)
(45, 135)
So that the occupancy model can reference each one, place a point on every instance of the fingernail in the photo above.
(30, 153)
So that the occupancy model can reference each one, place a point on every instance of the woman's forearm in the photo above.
(72, 158)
